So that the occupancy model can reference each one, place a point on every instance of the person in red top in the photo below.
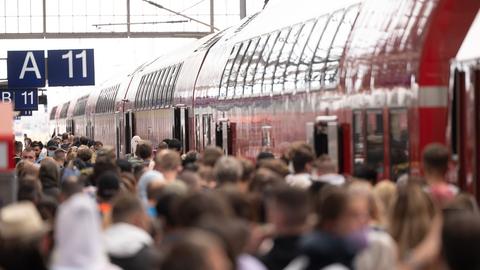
(435, 166)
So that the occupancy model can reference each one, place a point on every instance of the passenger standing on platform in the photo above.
(50, 178)
(133, 143)
(287, 210)
(28, 154)
(60, 157)
(37, 148)
(435, 168)
(302, 156)
(168, 163)
(128, 244)
(144, 152)
(18, 151)
(228, 173)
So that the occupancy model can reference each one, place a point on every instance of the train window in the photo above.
(138, 92)
(174, 82)
(262, 61)
(63, 112)
(399, 143)
(141, 86)
(197, 132)
(294, 59)
(281, 67)
(319, 61)
(336, 50)
(173, 72)
(165, 87)
(232, 78)
(375, 139)
(302, 77)
(227, 69)
(153, 95)
(53, 113)
(207, 132)
(242, 73)
(149, 90)
(273, 60)
(250, 73)
(358, 138)
(142, 91)
(158, 88)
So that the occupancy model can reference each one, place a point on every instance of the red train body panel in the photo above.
(372, 76)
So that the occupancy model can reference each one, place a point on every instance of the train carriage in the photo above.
(363, 81)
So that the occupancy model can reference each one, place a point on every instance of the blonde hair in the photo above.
(411, 217)
(385, 191)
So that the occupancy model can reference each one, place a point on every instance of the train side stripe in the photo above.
(430, 97)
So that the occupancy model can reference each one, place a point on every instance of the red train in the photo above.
(364, 81)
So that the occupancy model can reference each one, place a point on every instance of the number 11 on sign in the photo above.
(25, 97)
(83, 56)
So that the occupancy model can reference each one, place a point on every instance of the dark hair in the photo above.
(124, 207)
(101, 166)
(210, 155)
(83, 140)
(71, 187)
(174, 144)
(331, 204)
(301, 155)
(461, 240)
(18, 146)
(29, 189)
(36, 143)
(85, 154)
(264, 156)
(292, 202)
(365, 172)
(124, 165)
(435, 158)
(144, 150)
(198, 205)
(65, 136)
(108, 185)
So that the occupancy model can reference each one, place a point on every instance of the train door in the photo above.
(181, 128)
(129, 120)
(326, 136)
(225, 136)
(118, 144)
(207, 130)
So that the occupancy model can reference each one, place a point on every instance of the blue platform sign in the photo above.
(71, 67)
(26, 69)
(23, 99)
(25, 113)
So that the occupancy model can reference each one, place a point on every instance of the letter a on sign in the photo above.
(26, 69)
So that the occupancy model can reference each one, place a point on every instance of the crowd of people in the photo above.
(81, 207)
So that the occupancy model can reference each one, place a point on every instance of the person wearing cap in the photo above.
(51, 148)
(60, 157)
(22, 232)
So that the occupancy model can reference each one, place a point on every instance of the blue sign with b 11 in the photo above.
(23, 100)
(26, 69)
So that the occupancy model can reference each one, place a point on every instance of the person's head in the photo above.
(27, 142)
(51, 147)
(128, 184)
(339, 212)
(302, 156)
(276, 165)
(287, 209)
(18, 147)
(108, 186)
(22, 237)
(60, 157)
(162, 146)
(144, 150)
(191, 180)
(154, 189)
(190, 158)
(84, 153)
(69, 187)
(435, 160)
(195, 206)
(124, 165)
(461, 241)
(65, 137)
(168, 162)
(227, 170)
(263, 179)
(101, 166)
(365, 172)
(196, 250)
(129, 209)
(98, 145)
(324, 165)
(175, 145)
(264, 155)
(411, 217)
(210, 155)
(28, 154)
(84, 140)
(25, 168)
(37, 147)
(49, 173)
(29, 189)
(385, 191)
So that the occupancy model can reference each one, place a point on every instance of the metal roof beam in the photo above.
(103, 35)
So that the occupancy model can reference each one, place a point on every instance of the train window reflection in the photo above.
(242, 73)
(358, 138)
(319, 61)
(226, 71)
(375, 138)
(158, 88)
(295, 56)
(262, 62)
(302, 76)
(248, 89)
(273, 61)
(168, 74)
(284, 57)
(399, 143)
(232, 79)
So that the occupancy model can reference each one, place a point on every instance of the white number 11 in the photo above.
(25, 94)
(82, 55)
